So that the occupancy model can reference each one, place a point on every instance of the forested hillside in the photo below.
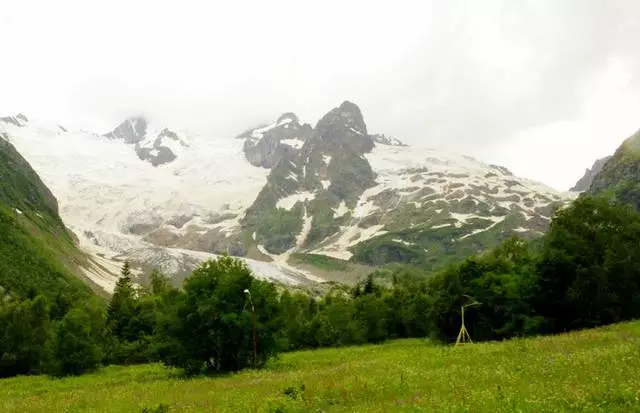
(37, 287)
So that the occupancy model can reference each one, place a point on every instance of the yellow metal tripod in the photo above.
(463, 335)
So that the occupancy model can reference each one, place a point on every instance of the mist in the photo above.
(542, 87)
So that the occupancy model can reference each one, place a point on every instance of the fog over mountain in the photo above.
(541, 87)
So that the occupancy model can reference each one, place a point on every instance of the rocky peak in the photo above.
(288, 117)
(585, 182)
(155, 147)
(132, 130)
(20, 120)
(266, 146)
(344, 127)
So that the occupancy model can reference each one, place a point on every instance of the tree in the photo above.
(159, 283)
(77, 342)
(24, 330)
(503, 281)
(211, 327)
(590, 266)
(122, 305)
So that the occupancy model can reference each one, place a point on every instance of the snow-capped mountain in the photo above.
(171, 199)
(157, 146)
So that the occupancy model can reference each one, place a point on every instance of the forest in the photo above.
(584, 272)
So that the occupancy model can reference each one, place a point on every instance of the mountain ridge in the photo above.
(281, 189)
(619, 177)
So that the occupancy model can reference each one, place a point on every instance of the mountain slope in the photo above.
(585, 182)
(620, 175)
(170, 216)
(354, 196)
(37, 254)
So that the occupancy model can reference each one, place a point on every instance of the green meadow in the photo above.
(588, 371)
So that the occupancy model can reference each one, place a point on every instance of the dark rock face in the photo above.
(267, 146)
(132, 130)
(344, 127)
(19, 120)
(330, 164)
(585, 182)
(158, 153)
(620, 175)
(156, 156)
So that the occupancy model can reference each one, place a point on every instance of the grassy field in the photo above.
(590, 371)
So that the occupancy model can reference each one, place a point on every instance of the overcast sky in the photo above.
(542, 87)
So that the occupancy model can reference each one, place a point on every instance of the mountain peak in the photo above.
(589, 175)
(345, 125)
(19, 120)
(288, 117)
(132, 130)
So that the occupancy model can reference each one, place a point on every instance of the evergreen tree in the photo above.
(122, 306)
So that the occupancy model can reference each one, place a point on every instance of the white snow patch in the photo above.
(341, 255)
(521, 229)
(477, 231)
(293, 176)
(284, 121)
(355, 131)
(289, 201)
(295, 143)
(400, 241)
(325, 183)
(341, 210)
(462, 218)
(327, 159)
(440, 226)
(18, 211)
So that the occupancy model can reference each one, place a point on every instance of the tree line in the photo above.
(583, 273)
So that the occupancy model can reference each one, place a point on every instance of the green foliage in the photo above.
(212, 327)
(133, 317)
(20, 187)
(502, 281)
(77, 342)
(382, 250)
(122, 306)
(620, 175)
(28, 268)
(590, 266)
(277, 230)
(162, 408)
(594, 371)
(24, 329)
(320, 261)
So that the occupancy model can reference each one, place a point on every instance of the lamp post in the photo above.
(255, 338)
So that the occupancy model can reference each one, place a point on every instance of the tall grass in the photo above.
(590, 371)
